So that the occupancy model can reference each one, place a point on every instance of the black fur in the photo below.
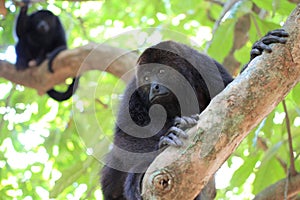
(41, 36)
(143, 129)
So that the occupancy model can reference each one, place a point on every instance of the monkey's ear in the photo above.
(139, 60)
(146, 54)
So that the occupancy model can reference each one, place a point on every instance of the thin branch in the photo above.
(257, 27)
(226, 8)
(105, 106)
(293, 171)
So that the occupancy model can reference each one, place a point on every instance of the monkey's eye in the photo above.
(161, 71)
(146, 78)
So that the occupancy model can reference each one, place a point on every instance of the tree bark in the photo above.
(182, 173)
(72, 63)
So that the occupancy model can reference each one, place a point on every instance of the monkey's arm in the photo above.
(22, 20)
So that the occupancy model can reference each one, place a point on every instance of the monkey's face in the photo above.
(153, 81)
(42, 22)
(168, 79)
(157, 82)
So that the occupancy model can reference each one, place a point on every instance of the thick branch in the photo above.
(182, 173)
(72, 63)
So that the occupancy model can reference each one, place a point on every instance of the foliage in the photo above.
(54, 150)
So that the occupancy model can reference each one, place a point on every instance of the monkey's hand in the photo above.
(177, 131)
(275, 36)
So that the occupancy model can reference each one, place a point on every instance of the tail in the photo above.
(62, 96)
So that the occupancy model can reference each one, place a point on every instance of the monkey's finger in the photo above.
(196, 116)
(255, 52)
(273, 39)
(185, 122)
(189, 122)
(170, 140)
(261, 46)
(175, 139)
(178, 132)
(278, 32)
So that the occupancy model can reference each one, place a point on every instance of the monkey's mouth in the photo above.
(158, 97)
(158, 93)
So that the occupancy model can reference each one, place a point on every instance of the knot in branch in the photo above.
(163, 181)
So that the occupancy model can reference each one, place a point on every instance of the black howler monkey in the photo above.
(40, 36)
(173, 82)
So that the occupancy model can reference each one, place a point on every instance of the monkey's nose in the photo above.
(43, 27)
(157, 90)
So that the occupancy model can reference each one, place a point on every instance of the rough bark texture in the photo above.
(182, 173)
(71, 63)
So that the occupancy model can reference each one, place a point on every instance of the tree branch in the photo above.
(72, 63)
(182, 173)
(276, 191)
(293, 171)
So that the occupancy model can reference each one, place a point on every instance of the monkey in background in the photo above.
(41, 36)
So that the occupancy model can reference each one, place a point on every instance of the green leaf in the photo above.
(260, 27)
(222, 40)
(283, 7)
(267, 174)
(242, 55)
(241, 174)
(296, 94)
(271, 152)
